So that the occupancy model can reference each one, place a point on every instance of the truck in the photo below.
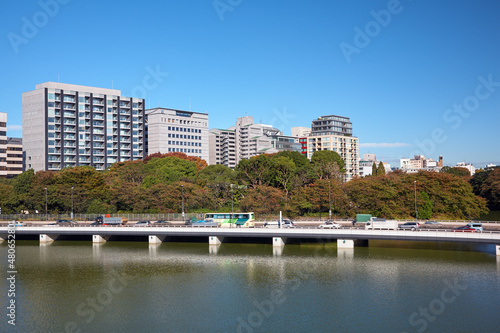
(106, 220)
(381, 223)
(363, 218)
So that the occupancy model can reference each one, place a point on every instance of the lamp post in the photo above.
(72, 187)
(232, 201)
(46, 216)
(416, 214)
(330, 202)
(182, 189)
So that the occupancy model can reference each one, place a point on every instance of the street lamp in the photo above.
(72, 187)
(182, 188)
(330, 202)
(416, 214)
(232, 201)
(46, 216)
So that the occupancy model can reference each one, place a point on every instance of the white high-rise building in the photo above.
(170, 130)
(3, 144)
(67, 125)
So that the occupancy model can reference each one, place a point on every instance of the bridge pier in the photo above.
(213, 249)
(100, 238)
(279, 241)
(215, 240)
(154, 239)
(345, 243)
(45, 238)
(2, 238)
(498, 249)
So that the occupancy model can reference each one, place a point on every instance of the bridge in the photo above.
(345, 237)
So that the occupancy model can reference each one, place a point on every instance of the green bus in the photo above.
(231, 220)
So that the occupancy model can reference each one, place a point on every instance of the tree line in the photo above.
(265, 184)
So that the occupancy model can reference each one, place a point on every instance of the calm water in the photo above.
(189, 287)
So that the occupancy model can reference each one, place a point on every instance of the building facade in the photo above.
(3, 144)
(419, 162)
(14, 157)
(67, 125)
(247, 139)
(334, 133)
(170, 130)
(222, 143)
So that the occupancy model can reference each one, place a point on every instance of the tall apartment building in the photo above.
(170, 130)
(67, 125)
(250, 139)
(334, 133)
(3, 144)
(14, 157)
(222, 145)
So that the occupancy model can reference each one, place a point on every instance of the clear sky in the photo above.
(417, 76)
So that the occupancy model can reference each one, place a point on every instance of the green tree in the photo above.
(327, 164)
(380, 169)
(457, 171)
(284, 171)
(255, 171)
(374, 169)
(425, 209)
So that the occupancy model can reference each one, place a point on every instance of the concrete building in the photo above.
(366, 165)
(469, 167)
(300, 132)
(222, 147)
(14, 157)
(250, 139)
(170, 130)
(67, 125)
(419, 162)
(3, 144)
(334, 133)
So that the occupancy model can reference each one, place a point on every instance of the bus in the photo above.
(231, 220)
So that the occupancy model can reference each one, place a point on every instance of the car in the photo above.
(477, 226)
(17, 223)
(143, 224)
(64, 223)
(464, 229)
(433, 222)
(329, 225)
(409, 225)
(276, 224)
(162, 222)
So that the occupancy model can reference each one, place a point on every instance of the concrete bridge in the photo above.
(346, 237)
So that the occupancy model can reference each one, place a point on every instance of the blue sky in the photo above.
(415, 76)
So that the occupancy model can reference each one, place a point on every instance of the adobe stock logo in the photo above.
(30, 28)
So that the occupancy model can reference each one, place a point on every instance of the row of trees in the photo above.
(265, 184)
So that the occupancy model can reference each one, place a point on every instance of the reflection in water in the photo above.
(213, 249)
(137, 287)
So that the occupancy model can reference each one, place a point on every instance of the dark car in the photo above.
(464, 229)
(64, 223)
(162, 222)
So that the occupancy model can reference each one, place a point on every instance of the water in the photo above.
(71, 286)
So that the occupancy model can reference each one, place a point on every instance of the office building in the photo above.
(14, 157)
(170, 130)
(3, 144)
(67, 125)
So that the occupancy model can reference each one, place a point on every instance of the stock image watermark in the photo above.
(89, 309)
(223, 6)
(266, 308)
(420, 319)
(455, 115)
(150, 81)
(11, 274)
(281, 118)
(31, 26)
(364, 36)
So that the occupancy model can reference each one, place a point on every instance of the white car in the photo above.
(329, 225)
